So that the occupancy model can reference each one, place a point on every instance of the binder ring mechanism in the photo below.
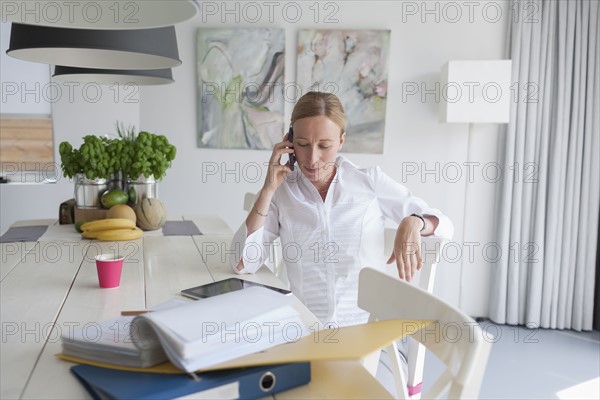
(267, 381)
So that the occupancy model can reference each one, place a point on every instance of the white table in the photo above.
(51, 286)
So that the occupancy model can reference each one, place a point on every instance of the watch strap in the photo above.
(422, 220)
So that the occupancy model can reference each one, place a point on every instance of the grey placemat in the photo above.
(180, 228)
(23, 234)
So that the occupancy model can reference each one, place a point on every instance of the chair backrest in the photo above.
(249, 199)
(454, 337)
(431, 249)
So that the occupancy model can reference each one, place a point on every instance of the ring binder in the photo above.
(246, 383)
(267, 381)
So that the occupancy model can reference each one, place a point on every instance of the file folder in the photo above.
(243, 383)
(346, 343)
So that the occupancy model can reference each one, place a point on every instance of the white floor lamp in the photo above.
(475, 91)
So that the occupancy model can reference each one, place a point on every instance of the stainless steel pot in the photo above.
(89, 191)
(145, 188)
(116, 181)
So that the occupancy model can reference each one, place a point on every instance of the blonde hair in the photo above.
(320, 103)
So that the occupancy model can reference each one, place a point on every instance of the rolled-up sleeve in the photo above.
(397, 202)
(255, 249)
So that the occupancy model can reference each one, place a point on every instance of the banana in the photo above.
(108, 223)
(119, 234)
(90, 234)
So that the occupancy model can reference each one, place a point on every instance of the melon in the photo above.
(121, 211)
(151, 214)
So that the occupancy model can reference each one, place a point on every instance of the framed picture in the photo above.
(240, 87)
(352, 64)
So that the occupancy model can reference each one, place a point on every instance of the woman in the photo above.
(330, 216)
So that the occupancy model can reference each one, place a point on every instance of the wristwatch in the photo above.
(422, 219)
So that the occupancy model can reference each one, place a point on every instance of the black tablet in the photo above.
(225, 286)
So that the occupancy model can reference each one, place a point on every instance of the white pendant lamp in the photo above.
(113, 14)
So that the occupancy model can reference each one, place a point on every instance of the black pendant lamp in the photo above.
(138, 49)
(112, 76)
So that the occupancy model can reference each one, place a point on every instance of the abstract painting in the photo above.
(352, 64)
(240, 87)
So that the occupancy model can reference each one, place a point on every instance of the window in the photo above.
(26, 141)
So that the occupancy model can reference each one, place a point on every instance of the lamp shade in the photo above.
(112, 76)
(476, 91)
(113, 14)
(154, 48)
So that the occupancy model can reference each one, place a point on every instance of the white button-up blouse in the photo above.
(326, 243)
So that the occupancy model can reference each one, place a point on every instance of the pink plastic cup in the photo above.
(109, 269)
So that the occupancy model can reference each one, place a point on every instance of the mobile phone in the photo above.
(292, 155)
(225, 286)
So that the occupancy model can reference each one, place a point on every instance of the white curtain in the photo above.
(549, 200)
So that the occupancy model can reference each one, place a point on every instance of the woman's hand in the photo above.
(407, 248)
(276, 172)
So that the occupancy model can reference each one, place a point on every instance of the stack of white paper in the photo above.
(218, 329)
(111, 342)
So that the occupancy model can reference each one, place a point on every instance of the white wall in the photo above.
(420, 44)
(22, 82)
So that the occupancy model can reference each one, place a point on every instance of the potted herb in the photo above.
(145, 158)
(91, 159)
(136, 160)
(90, 167)
(151, 156)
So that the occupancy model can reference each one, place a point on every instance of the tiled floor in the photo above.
(536, 364)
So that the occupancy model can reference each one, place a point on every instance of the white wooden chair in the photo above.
(431, 248)
(249, 199)
(464, 351)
